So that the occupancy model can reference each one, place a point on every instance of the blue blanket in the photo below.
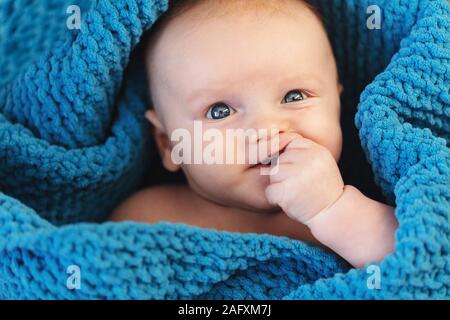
(74, 143)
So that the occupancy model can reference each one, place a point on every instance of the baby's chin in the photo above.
(258, 203)
(245, 193)
(253, 189)
(254, 201)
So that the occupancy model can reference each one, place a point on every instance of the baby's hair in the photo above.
(179, 7)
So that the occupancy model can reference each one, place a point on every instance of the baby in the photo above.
(267, 65)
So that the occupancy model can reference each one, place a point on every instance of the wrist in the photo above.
(319, 218)
(336, 217)
(356, 227)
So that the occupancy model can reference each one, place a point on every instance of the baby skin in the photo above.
(258, 68)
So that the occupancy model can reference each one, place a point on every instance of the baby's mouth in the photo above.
(265, 163)
(260, 165)
(269, 161)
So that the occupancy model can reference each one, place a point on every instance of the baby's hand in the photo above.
(307, 181)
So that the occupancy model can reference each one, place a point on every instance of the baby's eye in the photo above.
(219, 111)
(294, 95)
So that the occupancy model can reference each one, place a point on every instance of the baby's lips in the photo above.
(288, 138)
(284, 139)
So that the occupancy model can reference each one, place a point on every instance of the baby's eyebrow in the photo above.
(298, 79)
(202, 94)
(309, 79)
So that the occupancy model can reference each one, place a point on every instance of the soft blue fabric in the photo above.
(74, 143)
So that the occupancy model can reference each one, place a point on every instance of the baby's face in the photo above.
(245, 71)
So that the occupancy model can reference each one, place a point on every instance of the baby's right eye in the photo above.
(219, 111)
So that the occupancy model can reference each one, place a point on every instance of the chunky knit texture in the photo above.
(74, 143)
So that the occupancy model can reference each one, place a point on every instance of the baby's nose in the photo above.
(271, 123)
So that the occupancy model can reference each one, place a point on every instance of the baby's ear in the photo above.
(154, 120)
(162, 141)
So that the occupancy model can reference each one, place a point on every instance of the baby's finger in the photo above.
(269, 148)
(275, 193)
(292, 155)
(299, 143)
(286, 138)
(284, 172)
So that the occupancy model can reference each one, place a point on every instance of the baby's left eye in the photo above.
(294, 95)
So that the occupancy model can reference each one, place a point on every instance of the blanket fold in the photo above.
(74, 143)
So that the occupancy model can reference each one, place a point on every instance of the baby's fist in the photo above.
(307, 180)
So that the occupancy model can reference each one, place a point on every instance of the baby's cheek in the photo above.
(335, 142)
(208, 176)
(326, 132)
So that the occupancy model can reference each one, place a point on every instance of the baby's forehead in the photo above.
(190, 52)
(195, 32)
(202, 12)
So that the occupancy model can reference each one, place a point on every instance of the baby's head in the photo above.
(241, 64)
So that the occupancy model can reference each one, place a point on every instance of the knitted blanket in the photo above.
(74, 143)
